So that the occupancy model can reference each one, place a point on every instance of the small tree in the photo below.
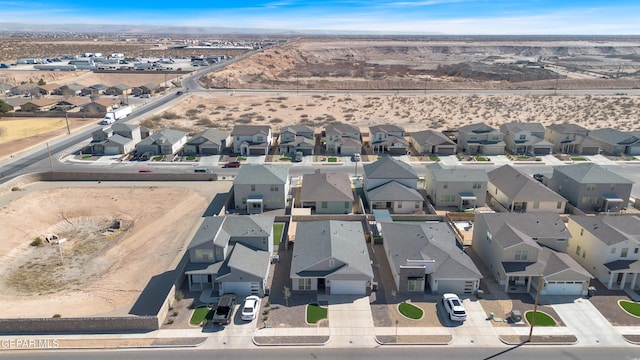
(286, 292)
(42, 82)
(4, 107)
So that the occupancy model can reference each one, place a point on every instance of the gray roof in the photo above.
(385, 128)
(428, 241)
(569, 128)
(432, 137)
(250, 130)
(120, 127)
(163, 137)
(326, 187)
(517, 127)
(296, 129)
(248, 260)
(250, 174)
(213, 136)
(458, 174)
(340, 129)
(535, 225)
(549, 263)
(389, 168)
(317, 241)
(117, 139)
(610, 229)
(478, 128)
(393, 191)
(221, 229)
(615, 137)
(521, 187)
(591, 173)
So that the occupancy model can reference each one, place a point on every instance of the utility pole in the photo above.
(50, 159)
(66, 118)
(535, 307)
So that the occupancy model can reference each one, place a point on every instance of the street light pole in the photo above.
(535, 307)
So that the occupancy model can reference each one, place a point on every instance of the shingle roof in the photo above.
(569, 128)
(549, 263)
(340, 129)
(220, 229)
(535, 225)
(250, 130)
(458, 175)
(389, 168)
(478, 128)
(261, 174)
(326, 187)
(165, 136)
(432, 137)
(296, 129)
(591, 173)
(209, 135)
(385, 128)
(517, 127)
(520, 187)
(393, 191)
(430, 241)
(615, 137)
(610, 229)
(317, 241)
(249, 260)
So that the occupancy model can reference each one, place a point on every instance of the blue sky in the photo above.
(586, 17)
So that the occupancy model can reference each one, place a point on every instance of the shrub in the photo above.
(37, 242)
(170, 321)
(179, 295)
(57, 316)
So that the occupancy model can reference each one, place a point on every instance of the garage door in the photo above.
(238, 288)
(453, 286)
(348, 287)
(564, 288)
(634, 150)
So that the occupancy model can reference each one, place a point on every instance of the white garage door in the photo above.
(564, 288)
(348, 287)
(238, 288)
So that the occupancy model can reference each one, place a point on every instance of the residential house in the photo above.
(5, 88)
(525, 250)
(519, 192)
(120, 89)
(296, 138)
(462, 188)
(94, 90)
(571, 139)
(251, 139)
(388, 139)
(47, 89)
(616, 142)
(590, 187)
(24, 89)
(257, 188)
(609, 247)
(480, 138)
(118, 139)
(16, 103)
(327, 193)
(391, 184)
(426, 257)
(231, 254)
(145, 89)
(39, 105)
(73, 89)
(331, 257)
(431, 142)
(100, 106)
(343, 139)
(525, 138)
(73, 104)
(164, 142)
(208, 142)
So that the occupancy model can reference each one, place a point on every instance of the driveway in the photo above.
(350, 320)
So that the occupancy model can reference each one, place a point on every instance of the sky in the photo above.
(454, 17)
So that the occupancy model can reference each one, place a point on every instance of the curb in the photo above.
(253, 340)
(382, 343)
(563, 343)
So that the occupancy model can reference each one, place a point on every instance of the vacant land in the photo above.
(95, 272)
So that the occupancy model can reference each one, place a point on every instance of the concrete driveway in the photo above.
(350, 320)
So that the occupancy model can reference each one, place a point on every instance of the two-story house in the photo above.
(480, 138)
(525, 138)
(327, 193)
(258, 188)
(164, 142)
(609, 247)
(208, 142)
(388, 138)
(616, 142)
(331, 257)
(462, 188)
(391, 184)
(251, 139)
(525, 250)
(296, 138)
(428, 142)
(519, 192)
(231, 254)
(590, 187)
(120, 138)
(571, 139)
(343, 139)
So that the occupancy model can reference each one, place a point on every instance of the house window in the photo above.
(275, 188)
(559, 205)
(521, 254)
(417, 204)
(304, 284)
(445, 186)
(346, 204)
(591, 187)
(399, 204)
(448, 198)
(253, 187)
(624, 252)
(477, 185)
(324, 204)
(523, 137)
(489, 237)
(613, 251)
(536, 204)
(635, 251)
(415, 284)
(578, 249)
(260, 139)
(586, 199)
(244, 200)
(218, 253)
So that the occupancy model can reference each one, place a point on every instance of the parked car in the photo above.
(203, 170)
(145, 96)
(179, 93)
(250, 307)
(232, 164)
(145, 170)
(453, 307)
(356, 157)
(224, 311)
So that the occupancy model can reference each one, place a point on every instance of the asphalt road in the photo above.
(533, 352)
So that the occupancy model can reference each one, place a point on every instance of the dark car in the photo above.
(232, 164)
(179, 93)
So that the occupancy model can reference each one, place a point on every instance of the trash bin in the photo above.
(591, 291)
(516, 315)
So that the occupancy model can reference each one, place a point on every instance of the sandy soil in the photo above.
(103, 279)
(82, 77)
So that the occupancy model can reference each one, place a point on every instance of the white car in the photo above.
(250, 308)
(453, 307)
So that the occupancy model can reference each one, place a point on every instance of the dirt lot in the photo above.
(100, 275)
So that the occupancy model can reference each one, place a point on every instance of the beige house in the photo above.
(327, 193)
